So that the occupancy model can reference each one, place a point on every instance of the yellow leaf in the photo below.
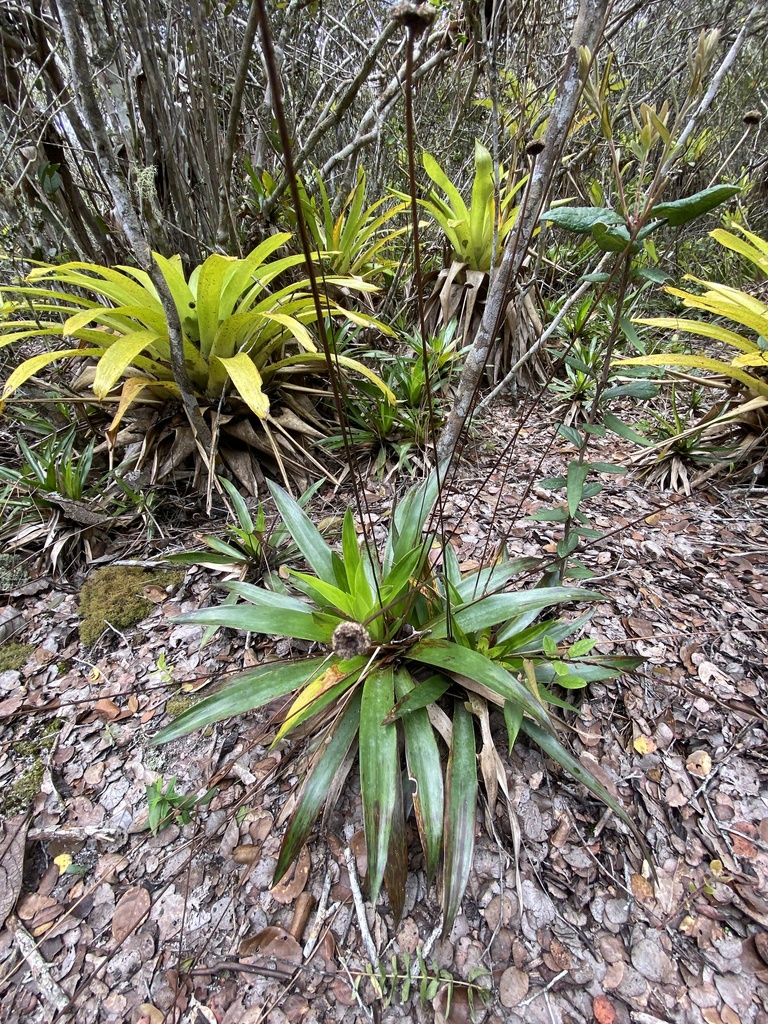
(308, 696)
(62, 862)
(644, 745)
(247, 380)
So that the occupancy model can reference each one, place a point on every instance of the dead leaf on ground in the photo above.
(513, 987)
(602, 1007)
(292, 883)
(13, 835)
(131, 909)
(699, 763)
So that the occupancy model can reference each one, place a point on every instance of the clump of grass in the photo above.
(115, 595)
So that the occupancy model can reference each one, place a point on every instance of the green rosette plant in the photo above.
(411, 658)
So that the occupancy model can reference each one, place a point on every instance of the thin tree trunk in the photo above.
(587, 31)
(125, 211)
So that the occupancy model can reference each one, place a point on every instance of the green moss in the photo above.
(33, 747)
(14, 656)
(181, 702)
(17, 797)
(115, 595)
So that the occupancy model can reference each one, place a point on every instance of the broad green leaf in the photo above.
(437, 174)
(324, 689)
(270, 620)
(416, 695)
(305, 534)
(460, 807)
(335, 746)
(314, 360)
(36, 363)
(757, 252)
(549, 515)
(681, 211)
(494, 577)
(718, 366)
(702, 328)
(581, 219)
(296, 328)
(247, 380)
(577, 475)
(241, 509)
(459, 661)
(378, 769)
(624, 430)
(209, 284)
(513, 719)
(612, 239)
(496, 608)
(396, 869)
(244, 693)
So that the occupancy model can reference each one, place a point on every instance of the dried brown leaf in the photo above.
(513, 987)
(13, 834)
(130, 911)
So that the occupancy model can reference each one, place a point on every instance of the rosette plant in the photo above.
(412, 653)
(245, 326)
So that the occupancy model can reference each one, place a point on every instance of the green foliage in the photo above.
(241, 326)
(115, 595)
(250, 548)
(353, 241)
(165, 805)
(470, 230)
(400, 638)
(578, 488)
(395, 433)
(400, 976)
(749, 366)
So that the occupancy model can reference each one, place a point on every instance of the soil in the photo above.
(562, 921)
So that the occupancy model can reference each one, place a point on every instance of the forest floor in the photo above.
(561, 922)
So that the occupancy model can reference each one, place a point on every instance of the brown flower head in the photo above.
(415, 17)
(350, 640)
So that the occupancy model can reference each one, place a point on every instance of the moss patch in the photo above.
(14, 656)
(115, 595)
(28, 760)
(181, 702)
(19, 795)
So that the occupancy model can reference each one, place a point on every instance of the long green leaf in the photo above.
(555, 749)
(378, 770)
(270, 620)
(460, 806)
(244, 693)
(334, 747)
(462, 661)
(495, 608)
(305, 534)
(424, 768)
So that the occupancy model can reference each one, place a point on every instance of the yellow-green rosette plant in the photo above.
(725, 307)
(244, 327)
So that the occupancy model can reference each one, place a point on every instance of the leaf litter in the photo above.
(182, 925)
